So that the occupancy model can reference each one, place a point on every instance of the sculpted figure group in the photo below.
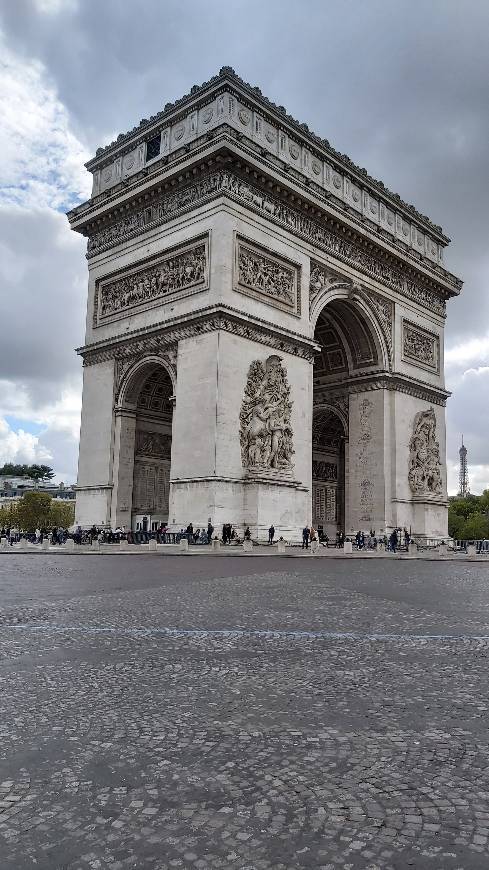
(424, 455)
(265, 431)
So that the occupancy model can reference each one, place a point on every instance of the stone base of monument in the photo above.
(348, 548)
(153, 544)
(183, 544)
(247, 546)
(216, 544)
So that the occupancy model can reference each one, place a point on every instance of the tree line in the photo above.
(33, 472)
(36, 510)
(468, 518)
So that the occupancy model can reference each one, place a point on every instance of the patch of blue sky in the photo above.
(30, 426)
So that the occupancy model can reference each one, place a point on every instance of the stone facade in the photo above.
(264, 335)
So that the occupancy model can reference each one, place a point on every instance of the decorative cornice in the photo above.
(348, 247)
(394, 382)
(227, 75)
(164, 338)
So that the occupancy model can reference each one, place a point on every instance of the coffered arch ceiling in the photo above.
(348, 344)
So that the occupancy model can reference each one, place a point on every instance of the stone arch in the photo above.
(329, 461)
(132, 376)
(374, 313)
(144, 401)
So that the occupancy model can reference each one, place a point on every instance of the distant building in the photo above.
(13, 488)
(463, 477)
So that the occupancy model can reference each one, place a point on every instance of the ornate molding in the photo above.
(420, 347)
(383, 310)
(265, 276)
(370, 261)
(165, 340)
(424, 456)
(175, 273)
(265, 429)
(126, 358)
(393, 382)
(227, 99)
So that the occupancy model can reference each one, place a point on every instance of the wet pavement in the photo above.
(229, 713)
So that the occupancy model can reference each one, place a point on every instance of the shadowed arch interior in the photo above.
(151, 392)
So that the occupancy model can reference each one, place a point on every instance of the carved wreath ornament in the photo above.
(424, 455)
(265, 430)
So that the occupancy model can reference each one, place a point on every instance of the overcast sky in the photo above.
(400, 86)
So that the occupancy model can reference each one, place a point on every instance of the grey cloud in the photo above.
(42, 300)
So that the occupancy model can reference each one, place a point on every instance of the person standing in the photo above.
(305, 538)
(393, 540)
(271, 534)
(210, 529)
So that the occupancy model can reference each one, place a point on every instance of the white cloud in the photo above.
(20, 446)
(42, 161)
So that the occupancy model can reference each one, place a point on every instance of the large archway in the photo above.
(351, 349)
(152, 451)
(142, 449)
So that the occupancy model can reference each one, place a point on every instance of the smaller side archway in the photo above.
(329, 469)
(142, 446)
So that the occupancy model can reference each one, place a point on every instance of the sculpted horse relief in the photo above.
(265, 430)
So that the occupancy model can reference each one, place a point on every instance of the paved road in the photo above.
(230, 713)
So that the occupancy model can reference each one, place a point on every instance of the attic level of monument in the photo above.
(264, 332)
(228, 111)
(199, 97)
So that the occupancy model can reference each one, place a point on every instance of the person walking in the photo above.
(271, 534)
(305, 538)
(247, 534)
(210, 530)
(393, 541)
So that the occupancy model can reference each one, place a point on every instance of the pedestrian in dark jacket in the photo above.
(305, 538)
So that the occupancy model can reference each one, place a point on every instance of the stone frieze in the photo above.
(420, 347)
(224, 182)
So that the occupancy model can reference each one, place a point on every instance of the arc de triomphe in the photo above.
(264, 337)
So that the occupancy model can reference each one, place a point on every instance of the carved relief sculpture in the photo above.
(265, 430)
(266, 277)
(424, 456)
(419, 346)
(156, 444)
(172, 273)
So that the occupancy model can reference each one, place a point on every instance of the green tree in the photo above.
(40, 472)
(475, 528)
(33, 511)
(9, 515)
(61, 513)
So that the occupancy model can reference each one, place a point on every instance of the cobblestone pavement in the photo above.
(224, 713)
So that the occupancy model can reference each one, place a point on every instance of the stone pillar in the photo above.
(184, 544)
(347, 548)
(94, 486)
(281, 546)
(208, 476)
(153, 544)
(368, 462)
(247, 546)
(123, 467)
